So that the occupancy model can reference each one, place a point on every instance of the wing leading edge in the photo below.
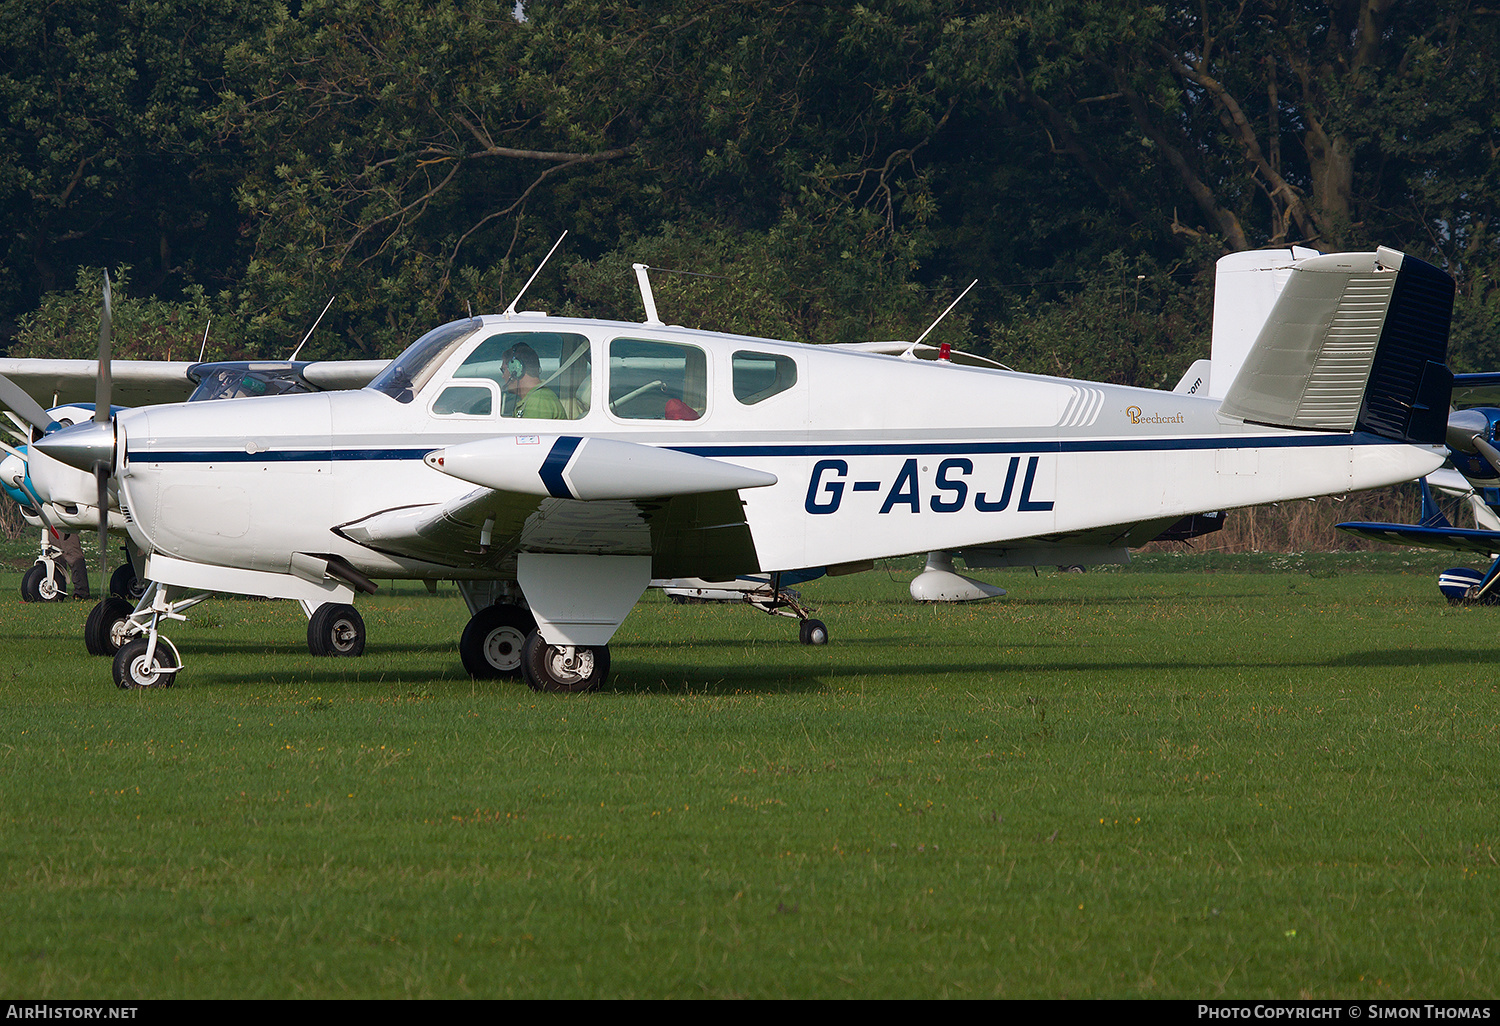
(1457, 539)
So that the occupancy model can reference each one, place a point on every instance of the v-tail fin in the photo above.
(1355, 342)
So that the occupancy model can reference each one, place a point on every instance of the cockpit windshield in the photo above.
(411, 370)
(238, 380)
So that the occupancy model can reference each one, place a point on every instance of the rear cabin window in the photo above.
(657, 380)
(540, 375)
(759, 376)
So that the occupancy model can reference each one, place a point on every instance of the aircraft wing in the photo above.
(1456, 539)
(484, 530)
(1084, 548)
(564, 494)
(1476, 390)
(332, 375)
(136, 382)
(152, 382)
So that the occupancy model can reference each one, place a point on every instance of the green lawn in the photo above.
(1203, 776)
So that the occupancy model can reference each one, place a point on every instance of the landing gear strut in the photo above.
(779, 601)
(145, 659)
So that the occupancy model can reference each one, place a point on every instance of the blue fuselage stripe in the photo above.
(834, 449)
(552, 468)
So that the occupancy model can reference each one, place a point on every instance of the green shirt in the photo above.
(541, 404)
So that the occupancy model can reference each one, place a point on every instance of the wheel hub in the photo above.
(569, 664)
(502, 648)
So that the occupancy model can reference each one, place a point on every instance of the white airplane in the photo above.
(670, 453)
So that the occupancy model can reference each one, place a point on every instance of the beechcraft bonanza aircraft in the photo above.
(663, 452)
(1473, 477)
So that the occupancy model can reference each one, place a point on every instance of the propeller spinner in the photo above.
(1469, 439)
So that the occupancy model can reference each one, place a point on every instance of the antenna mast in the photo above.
(911, 349)
(510, 311)
(644, 281)
(309, 330)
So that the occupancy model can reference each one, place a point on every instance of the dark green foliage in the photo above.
(105, 153)
(66, 326)
(848, 169)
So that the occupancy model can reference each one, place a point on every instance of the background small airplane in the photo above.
(1472, 477)
(75, 503)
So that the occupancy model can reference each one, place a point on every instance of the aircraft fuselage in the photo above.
(873, 456)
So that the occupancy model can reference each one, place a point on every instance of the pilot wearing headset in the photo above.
(523, 379)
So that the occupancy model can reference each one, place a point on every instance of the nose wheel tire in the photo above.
(28, 583)
(105, 631)
(813, 632)
(565, 669)
(493, 640)
(124, 583)
(336, 630)
(39, 586)
(133, 670)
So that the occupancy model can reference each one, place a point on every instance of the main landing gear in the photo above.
(566, 669)
(336, 629)
(501, 641)
(491, 643)
(779, 601)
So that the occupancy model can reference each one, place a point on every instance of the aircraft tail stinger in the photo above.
(1355, 342)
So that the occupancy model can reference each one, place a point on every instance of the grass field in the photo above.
(1258, 776)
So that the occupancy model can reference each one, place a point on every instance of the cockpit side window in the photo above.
(758, 376)
(657, 380)
(542, 375)
(476, 400)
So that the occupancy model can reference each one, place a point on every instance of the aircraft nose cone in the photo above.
(1464, 426)
(84, 446)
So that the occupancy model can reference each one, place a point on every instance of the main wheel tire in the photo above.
(125, 584)
(565, 669)
(132, 670)
(493, 640)
(813, 632)
(29, 581)
(47, 587)
(104, 633)
(336, 629)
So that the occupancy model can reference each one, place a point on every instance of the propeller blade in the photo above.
(103, 387)
(1488, 451)
(20, 432)
(101, 477)
(16, 398)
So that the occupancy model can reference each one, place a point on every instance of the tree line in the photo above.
(829, 172)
